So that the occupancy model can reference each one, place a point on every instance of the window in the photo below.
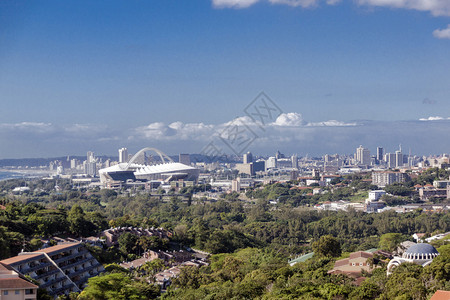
(17, 292)
(361, 264)
(5, 292)
(29, 292)
(353, 264)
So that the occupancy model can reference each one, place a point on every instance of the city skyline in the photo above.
(78, 76)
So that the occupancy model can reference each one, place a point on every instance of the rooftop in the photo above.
(33, 255)
(421, 248)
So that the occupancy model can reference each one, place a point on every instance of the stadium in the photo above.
(166, 171)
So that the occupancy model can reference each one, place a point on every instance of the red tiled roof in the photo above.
(16, 283)
(18, 258)
(360, 254)
(58, 248)
(441, 295)
(341, 262)
(49, 250)
(4, 267)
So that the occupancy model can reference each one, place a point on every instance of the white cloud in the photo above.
(332, 123)
(436, 7)
(436, 118)
(442, 33)
(289, 119)
(233, 3)
(333, 2)
(27, 126)
(247, 3)
(301, 3)
(156, 130)
(290, 133)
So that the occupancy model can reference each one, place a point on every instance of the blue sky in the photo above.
(100, 75)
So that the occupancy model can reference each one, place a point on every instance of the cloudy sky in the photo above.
(101, 75)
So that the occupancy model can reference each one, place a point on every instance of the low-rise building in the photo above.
(112, 235)
(13, 286)
(354, 264)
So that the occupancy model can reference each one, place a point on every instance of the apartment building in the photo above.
(382, 179)
(60, 269)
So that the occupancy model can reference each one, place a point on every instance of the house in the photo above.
(354, 264)
(419, 237)
(60, 269)
(112, 235)
(13, 286)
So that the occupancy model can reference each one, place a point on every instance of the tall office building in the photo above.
(294, 159)
(90, 157)
(73, 163)
(379, 154)
(248, 158)
(363, 155)
(184, 159)
(90, 168)
(398, 158)
(123, 155)
(390, 159)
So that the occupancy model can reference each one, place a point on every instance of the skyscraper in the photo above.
(294, 159)
(248, 158)
(390, 159)
(398, 158)
(90, 157)
(380, 154)
(363, 155)
(123, 155)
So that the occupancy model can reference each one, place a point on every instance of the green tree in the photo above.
(327, 245)
(128, 243)
(77, 222)
(115, 286)
(152, 267)
(390, 241)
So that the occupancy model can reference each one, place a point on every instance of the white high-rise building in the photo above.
(390, 159)
(271, 163)
(363, 156)
(398, 158)
(90, 157)
(123, 155)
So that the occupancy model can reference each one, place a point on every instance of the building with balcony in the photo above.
(60, 269)
(383, 179)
